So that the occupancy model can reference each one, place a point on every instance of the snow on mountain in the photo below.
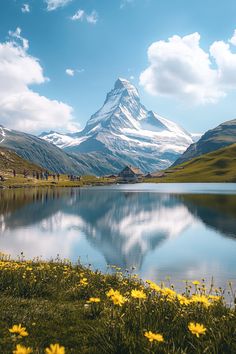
(2, 134)
(60, 139)
(125, 129)
(196, 136)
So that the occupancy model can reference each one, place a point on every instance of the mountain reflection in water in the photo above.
(157, 233)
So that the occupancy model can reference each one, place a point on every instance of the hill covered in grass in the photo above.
(9, 161)
(217, 166)
(77, 310)
(221, 136)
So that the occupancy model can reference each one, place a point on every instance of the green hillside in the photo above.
(9, 160)
(217, 166)
(221, 136)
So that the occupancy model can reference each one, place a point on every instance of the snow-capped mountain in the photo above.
(59, 139)
(128, 131)
(51, 157)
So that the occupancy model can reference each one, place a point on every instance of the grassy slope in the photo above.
(217, 166)
(9, 160)
(50, 300)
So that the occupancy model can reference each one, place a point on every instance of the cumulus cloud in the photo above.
(55, 4)
(226, 63)
(232, 40)
(81, 15)
(180, 68)
(70, 72)
(25, 8)
(21, 107)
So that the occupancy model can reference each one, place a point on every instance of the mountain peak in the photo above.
(123, 84)
(124, 129)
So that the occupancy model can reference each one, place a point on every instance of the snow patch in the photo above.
(2, 135)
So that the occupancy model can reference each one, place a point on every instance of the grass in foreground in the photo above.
(57, 308)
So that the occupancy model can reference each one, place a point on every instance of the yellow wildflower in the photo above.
(112, 292)
(83, 281)
(214, 297)
(94, 299)
(183, 300)
(18, 329)
(196, 282)
(29, 268)
(138, 294)
(20, 349)
(55, 349)
(154, 336)
(153, 286)
(201, 299)
(196, 328)
(168, 292)
(118, 299)
(135, 276)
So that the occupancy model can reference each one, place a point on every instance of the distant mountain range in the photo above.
(49, 156)
(125, 130)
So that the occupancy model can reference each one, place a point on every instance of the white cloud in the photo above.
(25, 8)
(232, 40)
(226, 63)
(70, 72)
(55, 4)
(92, 18)
(17, 35)
(180, 68)
(81, 15)
(21, 107)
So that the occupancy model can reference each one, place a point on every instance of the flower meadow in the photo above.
(56, 307)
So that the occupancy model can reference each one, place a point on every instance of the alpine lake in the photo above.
(158, 231)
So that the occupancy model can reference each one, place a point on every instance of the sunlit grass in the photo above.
(217, 166)
(71, 309)
(20, 181)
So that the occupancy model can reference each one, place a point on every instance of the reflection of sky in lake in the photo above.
(184, 236)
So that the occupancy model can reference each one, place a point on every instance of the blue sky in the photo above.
(111, 39)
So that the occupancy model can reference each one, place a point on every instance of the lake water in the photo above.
(185, 231)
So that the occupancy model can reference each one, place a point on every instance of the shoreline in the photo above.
(96, 182)
(85, 181)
